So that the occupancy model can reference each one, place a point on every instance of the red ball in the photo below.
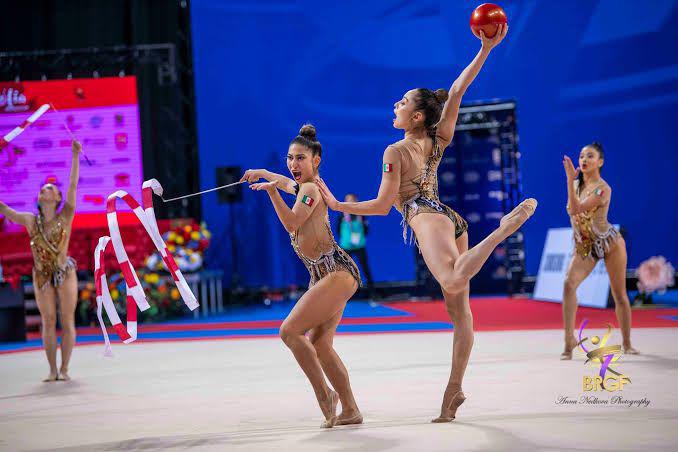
(487, 17)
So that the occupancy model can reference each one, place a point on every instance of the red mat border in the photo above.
(489, 314)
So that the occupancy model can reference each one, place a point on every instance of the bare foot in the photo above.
(449, 412)
(349, 417)
(570, 345)
(329, 409)
(631, 351)
(53, 376)
(512, 221)
(63, 375)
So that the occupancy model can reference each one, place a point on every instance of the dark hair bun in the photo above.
(308, 131)
(597, 145)
(441, 95)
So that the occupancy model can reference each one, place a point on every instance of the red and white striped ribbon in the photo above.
(104, 299)
(135, 293)
(4, 141)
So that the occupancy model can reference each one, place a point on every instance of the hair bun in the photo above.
(441, 95)
(597, 144)
(308, 131)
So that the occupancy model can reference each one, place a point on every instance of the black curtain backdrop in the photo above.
(165, 90)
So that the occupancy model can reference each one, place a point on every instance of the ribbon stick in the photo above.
(4, 141)
(135, 293)
(202, 192)
(68, 129)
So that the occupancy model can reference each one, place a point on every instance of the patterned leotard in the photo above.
(418, 192)
(331, 259)
(49, 244)
(593, 234)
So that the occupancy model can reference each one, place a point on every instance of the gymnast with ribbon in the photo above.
(54, 271)
(54, 276)
(334, 277)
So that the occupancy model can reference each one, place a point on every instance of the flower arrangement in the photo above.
(161, 293)
(187, 244)
(655, 274)
(87, 305)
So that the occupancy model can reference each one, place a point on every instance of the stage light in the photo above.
(121, 73)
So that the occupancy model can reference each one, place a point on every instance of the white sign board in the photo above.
(555, 260)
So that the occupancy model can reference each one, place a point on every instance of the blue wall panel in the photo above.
(579, 70)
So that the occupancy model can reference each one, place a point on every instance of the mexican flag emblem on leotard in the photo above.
(307, 200)
(599, 192)
(388, 167)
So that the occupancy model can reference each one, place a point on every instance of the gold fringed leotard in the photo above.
(315, 237)
(418, 192)
(49, 244)
(593, 234)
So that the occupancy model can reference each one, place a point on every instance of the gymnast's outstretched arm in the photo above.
(283, 183)
(69, 204)
(448, 118)
(388, 190)
(23, 218)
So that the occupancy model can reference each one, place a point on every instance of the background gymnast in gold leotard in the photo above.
(54, 275)
(588, 201)
(334, 277)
